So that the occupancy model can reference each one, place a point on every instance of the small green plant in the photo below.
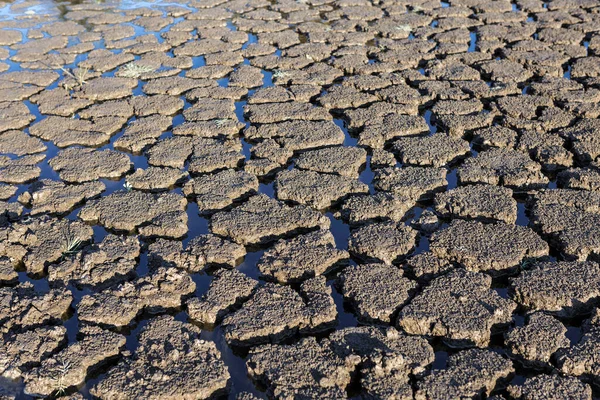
(79, 75)
(220, 122)
(72, 243)
(280, 74)
(133, 70)
(404, 28)
(128, 186)
(525, 264)
(61, 372)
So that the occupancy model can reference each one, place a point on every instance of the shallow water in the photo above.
(199, 224)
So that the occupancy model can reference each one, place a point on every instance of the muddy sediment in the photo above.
(306, 199)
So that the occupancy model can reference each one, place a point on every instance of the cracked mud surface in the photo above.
(300, 199)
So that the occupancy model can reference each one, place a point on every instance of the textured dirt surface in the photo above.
(300, 199)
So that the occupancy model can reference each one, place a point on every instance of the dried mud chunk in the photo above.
(564, 288)
(314, 189)
(10, 37)
(278, 112)
(216, 93)
(157, 104)
(46, 240)
(112, 108)
(453, 71)
(111, 260)
(7, 272)
(579, 178)
(14, 115)
(545, 147)
(201, 251)
(246, 76)
(460, 107)
(301, 258)
(425, 266)
(522, 106)
(209, 72)
(42, 78)
(73, 364)
(585, 135)
(13, 92)
(403, 95)
(276, 312)
(485, 202)
(59, 102)
(387, 357)
(456, 125)
(224, 58)
(551, 387)
(228, 289)
(495, 136)
(504, 167)
(156, 178)
(65, 132)
(143, 132)
(261, 220)
(103, 60)
(412, 182)
(22, 306)
(106, 88)
(361, 209)
(47, 196)
(586, 67)
(384, 241)
(341, 97)
(20, 170)
(221, 189)
(271, 150)
(190, 367)
(470, 373)
(19, 143)
(377, 133)
(19, 351)
(7, 191)
(261, 167)
(582, 358)
(82, 165)
(173, 152)
(436, 150)
(126, 211)
(120, 305)
(298, 135)
(376, 290)
(208, 109)
(209, 129)
(302, 370)
(460, 307)
(209, 156)
(535, 342)
(279, 94)
(470, 243)
(345, 161)
(506, 71)
(175, 85)
(382, 158)
(9, 212)
(571, 221)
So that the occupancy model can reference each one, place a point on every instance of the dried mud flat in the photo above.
(300, 199)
